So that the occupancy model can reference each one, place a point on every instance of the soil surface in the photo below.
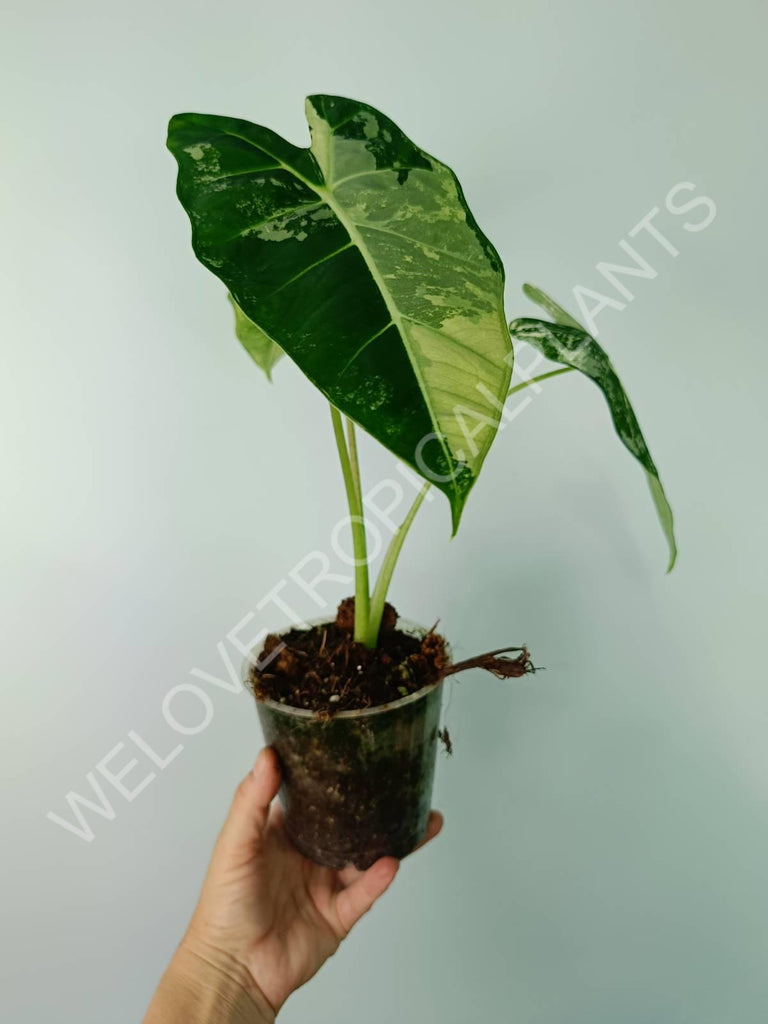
(323, 670)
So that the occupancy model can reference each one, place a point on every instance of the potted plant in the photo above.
(359, 258)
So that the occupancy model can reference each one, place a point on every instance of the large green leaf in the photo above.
(567, 342)
(360, 258)
(264, 352)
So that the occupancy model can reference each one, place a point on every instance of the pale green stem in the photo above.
(542, 376)
(379, 598)
(357, 522)
(353, 462)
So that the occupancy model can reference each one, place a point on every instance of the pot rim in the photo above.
(406, 625)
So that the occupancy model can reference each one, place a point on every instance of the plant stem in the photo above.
(357, 523)
(353, 462)
(379, 598)
(542, 376)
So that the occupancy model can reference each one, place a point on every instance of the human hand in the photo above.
(268, 918)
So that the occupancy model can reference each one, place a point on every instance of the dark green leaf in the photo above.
(264, 352)
(573, 346)
(359, 257)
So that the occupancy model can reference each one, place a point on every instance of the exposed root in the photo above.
(502, 668)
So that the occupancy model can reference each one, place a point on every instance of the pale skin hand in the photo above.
(267, 918)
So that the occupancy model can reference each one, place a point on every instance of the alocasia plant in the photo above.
(359, 258)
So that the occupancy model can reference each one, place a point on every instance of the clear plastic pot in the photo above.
(357, 787)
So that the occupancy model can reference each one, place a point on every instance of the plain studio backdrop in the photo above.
(605, 851)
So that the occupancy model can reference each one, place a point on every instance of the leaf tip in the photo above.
(457, 507)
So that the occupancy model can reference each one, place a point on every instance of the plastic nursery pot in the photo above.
(358, 786)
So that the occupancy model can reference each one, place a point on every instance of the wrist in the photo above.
(204, 986)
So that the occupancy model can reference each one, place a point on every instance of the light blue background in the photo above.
(605, 854)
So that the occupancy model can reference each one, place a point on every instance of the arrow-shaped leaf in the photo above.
(360, 258)
(264, 352)
(567, 342)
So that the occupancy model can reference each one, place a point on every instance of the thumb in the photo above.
(249, 812)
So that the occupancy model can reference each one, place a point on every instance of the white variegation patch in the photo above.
(452, 323)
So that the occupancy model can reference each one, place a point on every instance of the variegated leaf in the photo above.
(360, 258)
(567, 342)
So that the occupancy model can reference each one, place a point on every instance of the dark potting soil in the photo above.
(355, 789)
(322, 669)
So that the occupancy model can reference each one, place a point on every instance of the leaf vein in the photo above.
(366, 343)
(416, 241)
(452, 338)
(241, 174)
(377, 170)
(311, 266)
(275, 216)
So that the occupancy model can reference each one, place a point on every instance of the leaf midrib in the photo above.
(394, 313)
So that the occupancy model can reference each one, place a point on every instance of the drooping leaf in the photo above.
(573, 346)
(360, 258)
(259, 346)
